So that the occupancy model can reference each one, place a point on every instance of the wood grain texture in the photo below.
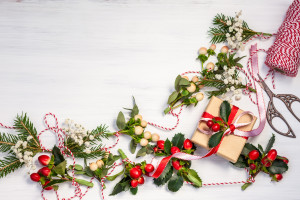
(85, 59)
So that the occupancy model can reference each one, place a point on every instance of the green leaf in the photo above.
(121, 121)
(177, 86)
(225, 111)
(167, 146)
(77, 167)
(185, 93)
(239, 65)
(167, 110)
(58, 157)
(172, 97)
(133, 146)
(178, 140)
(260, 149)
(165, 175)
(175, 183)
(113, 177)
(270, 144)
(278, 167)
(60, 168)
(142, 152)
(247, 148)
(121, 186)
(215, 139)
(241, 162)
(55, 181)
(194, 178)
(135, 109)
(134, 190)
(84, 182)
(244, 187)
(184, 82)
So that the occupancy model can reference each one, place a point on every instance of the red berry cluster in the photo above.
(136, 174)
(215, 127)
(43, 172)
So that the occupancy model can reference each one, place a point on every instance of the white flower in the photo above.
(236, 92)
(218, 76)
(237, 82)
(24, 144)
(19, 155)
(227, 35)
(33, 167)
(232, 81)
(216, 68)
(227, 89)
(15, 151)
(239, 13)
(228, 23)
(21, 160)
(223, 96)
(231, 71)
(29, 138)
(88, 151)
(232, 88)
(225, 68)
(91, 137)
(87, 144)
(233, 38)
(26, 158)
(225, 81)
(239, 39)
(236, 19)
(230, 29)
(80, 142)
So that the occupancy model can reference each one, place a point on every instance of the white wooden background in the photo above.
(84, 60)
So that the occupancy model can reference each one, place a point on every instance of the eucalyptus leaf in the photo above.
(215, 139)
(175, 183)
(133, 146)
(84, 182)
(142, 152)
(121, 121)
(184, 82)
(225, 111)
(135, 110)
(172, 97)
(177, 86)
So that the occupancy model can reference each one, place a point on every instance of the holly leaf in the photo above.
(278, 167)
(247, 148)
(225, 111)
(121, 186)
(215, 139)
(184, 82)
(194, 178)
(121, 121)
(241, 162)
(58, 157)
(175, 183)
(172, 97)
(167, 146)
(134, 190)
(133, 146)
(270, 144)
(178, 140)
(60, 168)
(142, 152)
(165, 175)
(177, 86)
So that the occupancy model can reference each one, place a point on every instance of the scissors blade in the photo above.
(265, 87)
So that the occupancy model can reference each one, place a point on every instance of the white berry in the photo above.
(155, 137)
(199, 96)
(224, 49)
(100, 163)
(138, 117)
(138, 130)
(195, 79)
(93, 166)
(202, 51)
(143, 142)
(147, 135)
(144, 123)
(212, 47)
(191, 88)
(238, 97)
(210, 66)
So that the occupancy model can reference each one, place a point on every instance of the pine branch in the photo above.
(96, 152)
(25, 128)
(7, 141)
(9, 164)
(100, 132)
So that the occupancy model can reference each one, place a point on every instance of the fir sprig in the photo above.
(7, 141)
(9, 164)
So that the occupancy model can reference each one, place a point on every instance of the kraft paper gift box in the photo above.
(232, 145)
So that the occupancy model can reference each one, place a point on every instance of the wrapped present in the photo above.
(231, 145)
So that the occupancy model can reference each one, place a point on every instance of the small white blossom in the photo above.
(232, 81)
(225, 81)
(29, 138)
(231, 71)
(228, 23)
(87, 144)
(225, 68)
(24, 144)
(237, 82)
(227, 89)
(91, 137)
(230, 29)
(88, 151)
(218, 76)
(232, 88)
(227, 35)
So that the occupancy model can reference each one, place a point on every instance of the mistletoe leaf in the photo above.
(142, 152)
(184, 82)
(121, 121)
(177, 86)
(172, 97)
(133, 146)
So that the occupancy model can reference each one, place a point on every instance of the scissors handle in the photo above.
(272, 113)
(288, 99)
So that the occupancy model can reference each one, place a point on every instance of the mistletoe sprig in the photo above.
(259, 160)
(133, 175)
(55, 171)
(177, 171)
(135, 128)
(232, 30)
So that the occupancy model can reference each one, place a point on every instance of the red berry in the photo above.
(174, 150)
(266, 162)
(135, 173)
(141, 180)
(253, 155)
(149, 168)
(285, 160)
(35, 177)
(44, 160)
(134, 183)
(47, 188)
(218, 119)
(209, 123)
(278, 177)
(176, 164)
(252, 166)
(155, 149)
(187, 144)
(45, 171)
(272, 154)
(161, 144)
(215, 127)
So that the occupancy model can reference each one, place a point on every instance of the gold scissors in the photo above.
(272, 112)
